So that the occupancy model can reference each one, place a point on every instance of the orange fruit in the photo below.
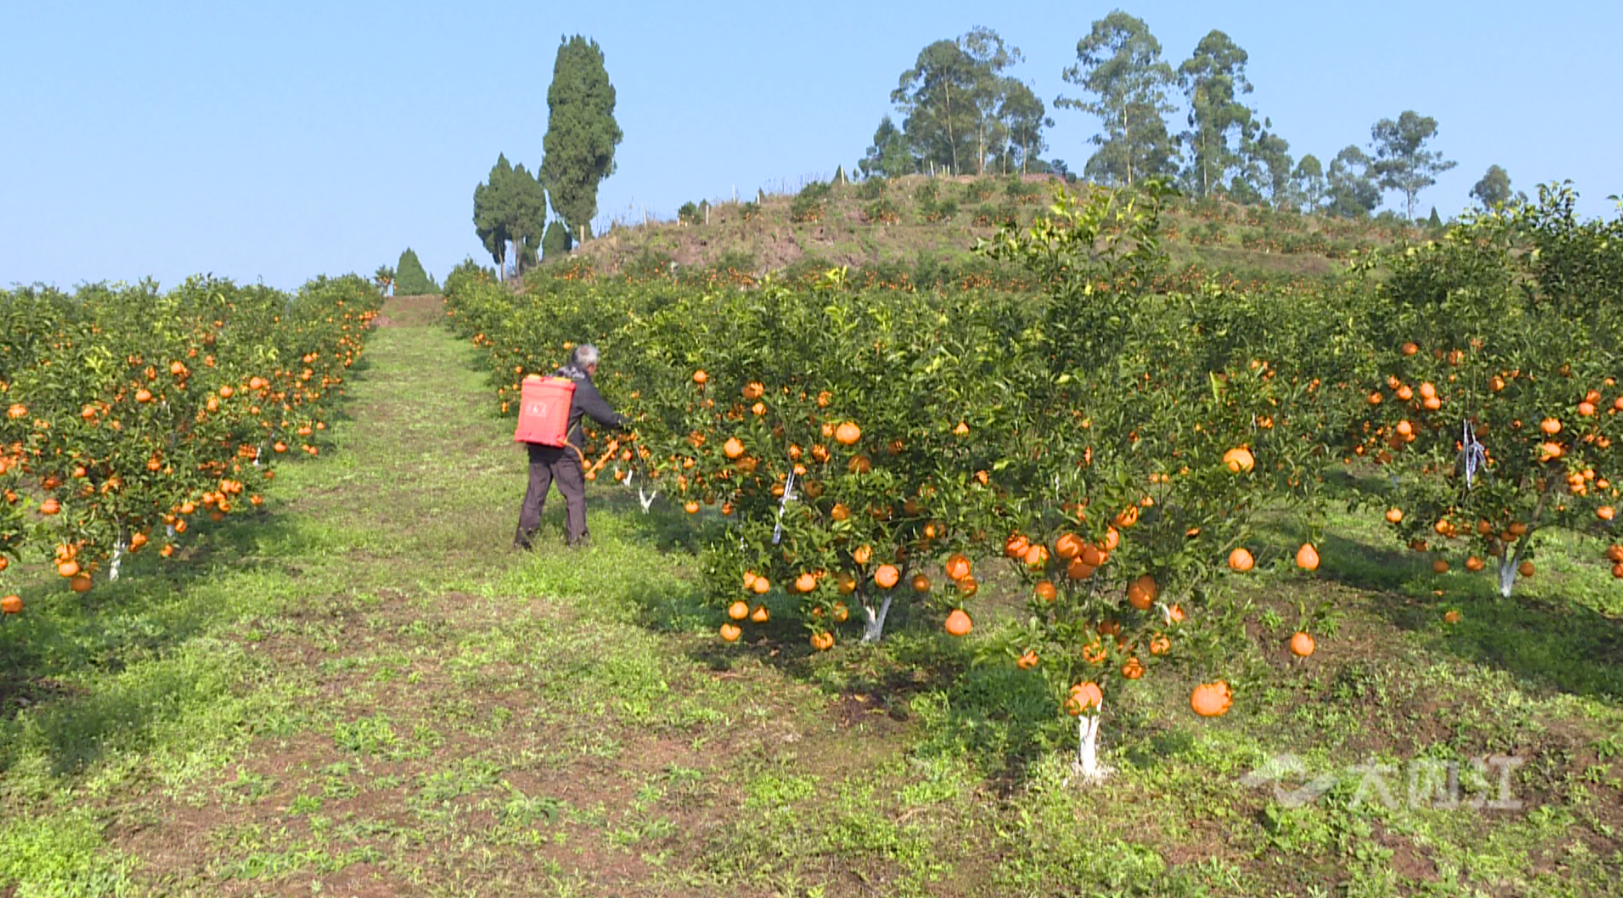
(968, 587)
(1307, 557)
(1143, 592)
(80, 583)
(847, 433)
(1079, 569)
(1036, 555)
(760, 615)
(730, 632)
(822, 641)
(1159, 644)
(1394, 515)
(1526, 569)
(1084, 697)
(1439, 566)
(1451, 616)
(689, 506)
(738, 610)
(957, 566)
(1211, 699)
(1551, 426)
(958, 623)
(1606, 512)
(1474, 564)
(1302, 645)
(733, 448)
(887, 576)
(921, 583)
(1027, 661)
(1068, 546)
(848, 584)
(700, 378)
(1240, 560)
(806, 582)
(1045, 590)
(761, 585)
(862, 554)
(68, 569)
(11, 604)
(1132, 669)
(1015, 546)
(1239, 460)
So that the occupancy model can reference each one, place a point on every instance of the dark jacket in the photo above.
(588, 401)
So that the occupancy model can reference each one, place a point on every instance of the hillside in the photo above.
(926, 226)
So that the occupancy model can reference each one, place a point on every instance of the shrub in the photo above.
(811, 202)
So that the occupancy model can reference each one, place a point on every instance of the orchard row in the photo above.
(1113, 441)
(128, 414)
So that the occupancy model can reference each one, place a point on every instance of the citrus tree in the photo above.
(130, 411)
(1152, 427)
(1491, 396)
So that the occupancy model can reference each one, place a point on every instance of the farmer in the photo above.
(565, 465)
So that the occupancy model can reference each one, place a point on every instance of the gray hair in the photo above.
(585, 355)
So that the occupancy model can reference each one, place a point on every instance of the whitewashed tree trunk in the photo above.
(1087, 767)
(118, 560)
(873, 629)
(1507, 575)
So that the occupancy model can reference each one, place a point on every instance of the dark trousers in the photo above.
(549, 465)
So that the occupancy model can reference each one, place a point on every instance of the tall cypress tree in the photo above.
(581, 133)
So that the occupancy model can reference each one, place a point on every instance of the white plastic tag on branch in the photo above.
(788, 493)
(1472, 453)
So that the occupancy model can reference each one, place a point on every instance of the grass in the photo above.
(362, 691)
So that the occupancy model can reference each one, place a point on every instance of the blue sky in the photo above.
(280, 140)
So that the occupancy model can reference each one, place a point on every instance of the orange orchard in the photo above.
(131, 411)
(1109, 441)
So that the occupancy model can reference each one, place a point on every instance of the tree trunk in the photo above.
(873, 629)
(1507, 575)
(1087, 766)
(952, 142)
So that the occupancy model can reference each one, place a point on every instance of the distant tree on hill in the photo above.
(1023, 119)
(936, 97)
(1213, 79)
(959, 111)
(1351, 192)
(384, 278)
(1402, 162)
(510, 209)
(1434, 221)
(1266, 161)
(1494, 188)
(889, 156)
(1120, 64)
(1309, 178)
(556, 244)
(411, 279)
(581, 133)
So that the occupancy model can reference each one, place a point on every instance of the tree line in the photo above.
(511, 208)
(962, 113)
